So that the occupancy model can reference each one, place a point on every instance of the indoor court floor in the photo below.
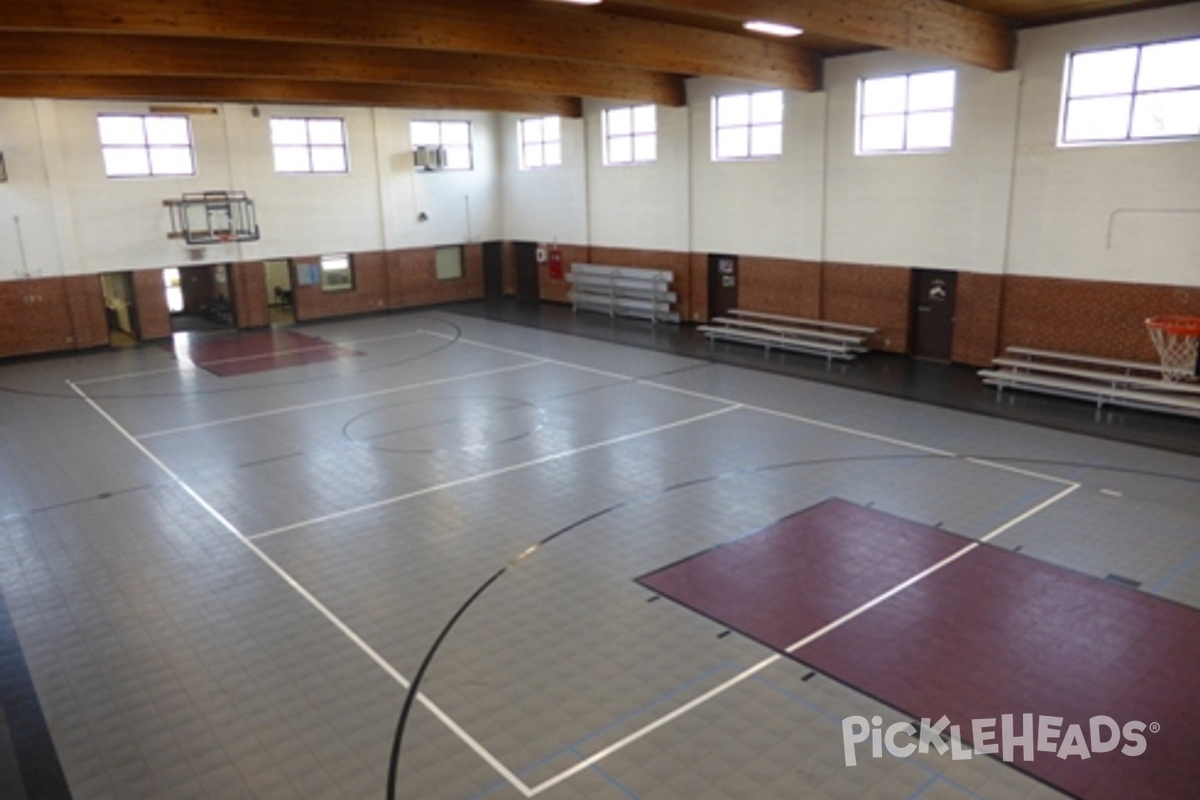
(658, 575)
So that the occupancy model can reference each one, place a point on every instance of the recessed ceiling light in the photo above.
(772, 28)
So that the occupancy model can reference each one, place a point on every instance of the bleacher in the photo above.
(1104, 381)
(832, 340)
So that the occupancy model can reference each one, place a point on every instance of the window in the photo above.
(630, 135)
(541, 142)
(1149, 91)
(337, 273)
(136, 146)
(448, 263)
(309, 145)
(906, 113)
(454, 135)
(748, 125)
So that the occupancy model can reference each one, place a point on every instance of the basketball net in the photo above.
(1177, 340)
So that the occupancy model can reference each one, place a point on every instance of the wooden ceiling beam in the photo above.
(96, 55)
(267, 91)
(933, 27)
(527, 28)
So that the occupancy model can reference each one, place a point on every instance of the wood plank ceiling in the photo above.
(529, 56)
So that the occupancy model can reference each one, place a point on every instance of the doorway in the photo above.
(201, 299)
(280, 296)
(119, 312)
(932, 315)
(528, 288)
(493, 269)
(722, 285)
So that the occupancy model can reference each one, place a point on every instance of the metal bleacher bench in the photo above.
(1106, 381)
(623, 291)
(776, 331)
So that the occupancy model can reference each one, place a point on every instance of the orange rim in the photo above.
(1178, 325)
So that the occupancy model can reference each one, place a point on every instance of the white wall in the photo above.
(1004, 199)
(1128, 212)
(772, 207)
(545, 205)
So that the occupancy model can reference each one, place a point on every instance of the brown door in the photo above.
(527, 271)
(722, 285)
(933, 313)
(493, 269)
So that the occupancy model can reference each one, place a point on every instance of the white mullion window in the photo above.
(540, 142)
(309, 145)
(452, 135)
(630, 135)
(906, 113)
(748, 125)
(146, 145)
(1132, 93)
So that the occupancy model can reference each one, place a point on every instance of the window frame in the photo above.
(906, 114)
(632, 136)
(1132, 95)
(308, 146)
(750, 125)
(526, 143)
(451, 148)
(331, 280)
(146, 146)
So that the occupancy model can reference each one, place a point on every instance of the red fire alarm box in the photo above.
(556, 264)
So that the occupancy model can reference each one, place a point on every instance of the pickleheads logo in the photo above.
(1025, 737)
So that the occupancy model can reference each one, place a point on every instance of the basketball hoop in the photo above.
(1177, 340)
(225, 237)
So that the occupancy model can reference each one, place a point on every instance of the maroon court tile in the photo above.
(989, 634)
(256, 351)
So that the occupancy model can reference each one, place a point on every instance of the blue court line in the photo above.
(1175, 574)
(573, 748)
(924, 787)
(625, 790)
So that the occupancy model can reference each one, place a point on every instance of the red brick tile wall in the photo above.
(779, 286)
(153, 319)
(34, 317)
(412, 278)
(978, 305)
(251, 304)
(678, 264)
(369, 292)
(869, 295)
(694, 305)
(556, 290)
(1089, 317)
(85, 304)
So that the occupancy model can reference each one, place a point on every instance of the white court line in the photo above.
(792, 648)
(492, 474)
(334, 401)
(296, 586)
(235, 359)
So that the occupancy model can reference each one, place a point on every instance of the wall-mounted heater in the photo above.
(429, 158)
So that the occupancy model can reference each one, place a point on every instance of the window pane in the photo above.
(531, 130)
(553, 154)
(733, 109)
(930, 130)
(458, 158)
(289, 131)
(532, 156)
(425, 133)
(931, 90)
(1167, 114)
(121, 162)
(884, 95)
(620, 150)
(645, 148)
(171, 161)
(883, 133)
(1097, 118)
(291, 159)
(552, 129)
(456, 133)
(733, 143)
(168, 130)
(329, 159)
(619, 121)
(121, 130)
(766, 107)
(1104, 72)
(644, 120)
(326, 131)
(766, 140)
(1171, 65)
